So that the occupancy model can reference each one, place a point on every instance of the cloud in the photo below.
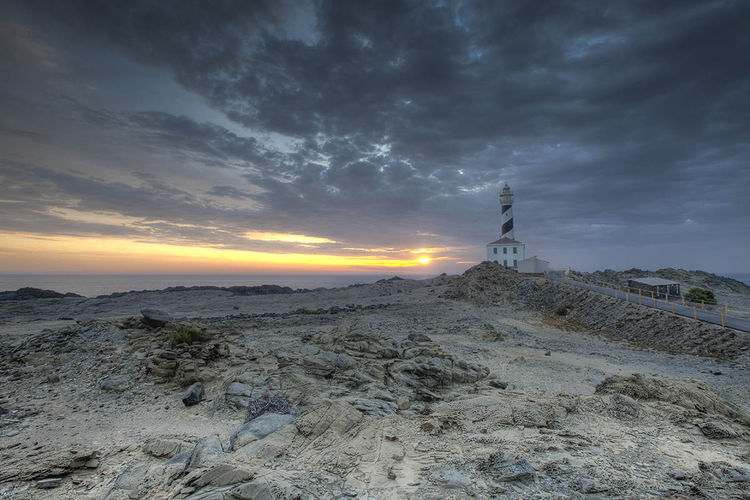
(288, 238)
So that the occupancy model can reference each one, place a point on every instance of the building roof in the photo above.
(505, 241)
(654, 281)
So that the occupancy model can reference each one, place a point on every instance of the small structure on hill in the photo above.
(507, 250)
(659, 286)
(533, 265)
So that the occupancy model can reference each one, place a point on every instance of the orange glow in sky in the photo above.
(30, 253)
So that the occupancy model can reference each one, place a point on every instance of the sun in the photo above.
(424, 260)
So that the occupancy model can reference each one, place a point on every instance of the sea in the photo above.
(743, 277)
(92, 285)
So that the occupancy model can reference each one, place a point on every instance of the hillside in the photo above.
(727, 290)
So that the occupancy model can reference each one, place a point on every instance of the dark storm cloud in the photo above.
(228, 191)
(608, 119)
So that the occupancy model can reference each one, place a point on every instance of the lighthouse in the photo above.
(506, 251)
(506, 213)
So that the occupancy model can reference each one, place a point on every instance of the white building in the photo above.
(506, 251)
(533, 265)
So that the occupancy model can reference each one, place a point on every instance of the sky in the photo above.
(370, 136)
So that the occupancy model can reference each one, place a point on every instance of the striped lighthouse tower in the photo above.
(506, 214)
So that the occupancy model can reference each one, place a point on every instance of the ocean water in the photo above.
(91, 285)
(743, 277)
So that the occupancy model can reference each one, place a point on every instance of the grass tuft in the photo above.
(188, 335)
(312, 311)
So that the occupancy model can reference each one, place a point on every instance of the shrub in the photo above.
(562, 310)
(696, 294)
(312, 311)
(188, 335)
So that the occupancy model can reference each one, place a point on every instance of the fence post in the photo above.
(695, 313)
(683, 300)
(703, 305)
(722, 320)
(639, 296)
(672, 307)
(726, 309)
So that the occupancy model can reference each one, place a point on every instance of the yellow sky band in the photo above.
(22, 250)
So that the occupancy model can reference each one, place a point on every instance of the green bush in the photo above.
(313, 311)
(188, 335)
(696, 294)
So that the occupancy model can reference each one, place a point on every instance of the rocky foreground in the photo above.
(486, 385)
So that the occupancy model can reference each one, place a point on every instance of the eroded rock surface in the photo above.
(442, 388)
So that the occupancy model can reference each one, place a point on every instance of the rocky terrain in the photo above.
(483, 385)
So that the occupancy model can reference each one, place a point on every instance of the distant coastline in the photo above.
(94, 285)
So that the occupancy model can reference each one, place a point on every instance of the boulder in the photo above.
(240, 395)
(325, 363)
(517, 470)
(334, 417)
(258, 428)
(155, 317)
(222, 474)
(267, 486)
(188, 372)
(498, 384)
(132, 477)
(194, 394)
(371, 406)
(161, 447)
(725, 472)
(715, 429)
(503, 469)
(239, 389)
(176, 465)
(403, 403)
(449, 478)
(625, 405)
(422, 394)
(115, 383)
(207, 451)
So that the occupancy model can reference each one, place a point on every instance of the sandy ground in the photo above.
(530, 406)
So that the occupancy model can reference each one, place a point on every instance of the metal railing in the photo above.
(717, 314)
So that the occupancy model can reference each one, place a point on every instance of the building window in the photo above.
(515, 249)
(515, 263)
(505, 249)
(505, 262)
(494, 250)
